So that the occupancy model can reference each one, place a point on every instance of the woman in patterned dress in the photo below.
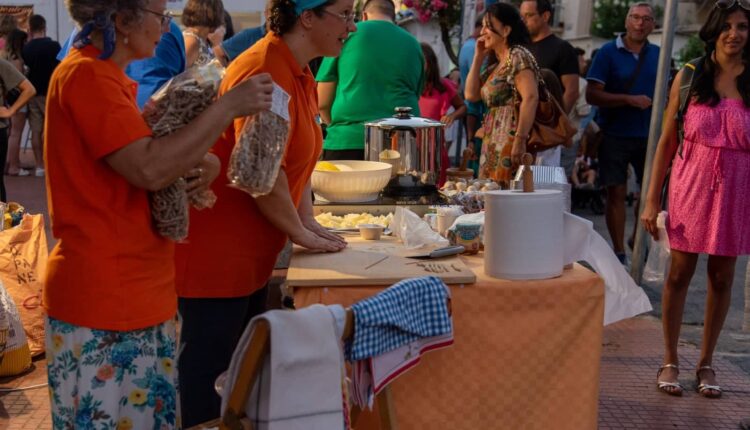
(201, 19)
(709, 199)
(506, 126)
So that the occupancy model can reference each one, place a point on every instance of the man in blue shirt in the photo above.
(168, 62)
(465, 57)
(237, 44)
(621, 82)
(150, 73)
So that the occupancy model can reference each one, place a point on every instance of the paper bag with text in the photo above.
(23, 263)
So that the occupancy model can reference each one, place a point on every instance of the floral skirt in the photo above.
(119, 380)
(498, 130)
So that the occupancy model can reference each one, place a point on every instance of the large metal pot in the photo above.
(412, 145)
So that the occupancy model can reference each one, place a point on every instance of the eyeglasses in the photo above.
(728, 4)
(166, 17)
(346, 17)
(643, 18)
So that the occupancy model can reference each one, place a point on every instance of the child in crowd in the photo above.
(439, 95)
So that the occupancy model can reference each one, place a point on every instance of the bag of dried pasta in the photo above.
(257, 154)
(173, 106)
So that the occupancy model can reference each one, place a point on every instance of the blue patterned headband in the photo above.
(101, 22)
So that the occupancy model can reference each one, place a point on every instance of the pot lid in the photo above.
(403, 118)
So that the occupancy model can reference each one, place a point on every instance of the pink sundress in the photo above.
(709, 190)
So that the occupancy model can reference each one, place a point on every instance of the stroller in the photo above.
(586, 191)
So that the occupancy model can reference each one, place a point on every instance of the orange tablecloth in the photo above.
(526, 355)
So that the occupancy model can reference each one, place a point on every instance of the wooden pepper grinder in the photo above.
(527, 177)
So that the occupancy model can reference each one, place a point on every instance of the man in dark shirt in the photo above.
(40, 56)
(550, 51)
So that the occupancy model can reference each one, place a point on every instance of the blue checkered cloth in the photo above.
(407, 311)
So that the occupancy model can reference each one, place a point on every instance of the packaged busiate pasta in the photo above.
(173, 106)
(257, 154)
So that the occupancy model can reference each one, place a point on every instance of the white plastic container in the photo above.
(523, 234)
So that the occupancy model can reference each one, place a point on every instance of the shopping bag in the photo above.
(15, 357)
(659, 256)
(23, 263)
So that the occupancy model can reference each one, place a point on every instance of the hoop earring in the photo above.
(125, 41)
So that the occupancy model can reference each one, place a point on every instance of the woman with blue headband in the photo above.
(109, 290)
(223, 269)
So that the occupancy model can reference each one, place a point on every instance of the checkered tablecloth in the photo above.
(526, 355)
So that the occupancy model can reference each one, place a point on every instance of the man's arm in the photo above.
(326, 94)
(570, 96)
(597, 96)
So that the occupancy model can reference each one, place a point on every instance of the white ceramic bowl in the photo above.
(358, 181)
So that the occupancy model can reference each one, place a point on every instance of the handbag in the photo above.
(551, 126)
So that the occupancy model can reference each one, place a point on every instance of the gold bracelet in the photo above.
(524, 137)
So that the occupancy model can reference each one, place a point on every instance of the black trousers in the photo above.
(210, 331)
(3, 160)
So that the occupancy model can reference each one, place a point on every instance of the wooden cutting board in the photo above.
(379, 262)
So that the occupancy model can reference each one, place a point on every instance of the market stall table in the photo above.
(526, 354)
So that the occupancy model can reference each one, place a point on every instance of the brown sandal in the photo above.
(706, 390)
(671, 388)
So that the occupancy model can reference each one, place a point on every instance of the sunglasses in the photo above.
(728, 4)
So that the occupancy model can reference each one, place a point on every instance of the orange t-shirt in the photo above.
(109, 269)
(231, 249)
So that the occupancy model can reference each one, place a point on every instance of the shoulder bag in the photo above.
(551, 125)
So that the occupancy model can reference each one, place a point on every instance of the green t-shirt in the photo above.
(380, 68)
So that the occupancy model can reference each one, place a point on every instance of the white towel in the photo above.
(622, 297)
(300, 386)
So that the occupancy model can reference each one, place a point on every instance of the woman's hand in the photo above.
(251, 96)
(5, 112)
(447, 119)
(648, 219)
(311, 224)
(217, 36)
(480, 51)
(519, 148)
(199, 179)
(311, 241)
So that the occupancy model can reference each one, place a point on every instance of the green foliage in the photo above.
(609, 17)
(694, 48)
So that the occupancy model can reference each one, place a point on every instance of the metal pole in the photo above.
(660, 96)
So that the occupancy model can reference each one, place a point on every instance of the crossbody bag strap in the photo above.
(641, 59)
(537, 73)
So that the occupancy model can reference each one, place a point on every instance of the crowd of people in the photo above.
(112, 305)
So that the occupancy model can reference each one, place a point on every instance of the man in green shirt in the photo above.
(380, 67)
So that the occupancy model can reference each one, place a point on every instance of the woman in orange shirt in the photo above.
(231, 249)
(109, 289)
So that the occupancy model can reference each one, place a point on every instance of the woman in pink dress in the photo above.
(709, 190)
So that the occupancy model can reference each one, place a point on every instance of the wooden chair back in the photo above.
(233, 418)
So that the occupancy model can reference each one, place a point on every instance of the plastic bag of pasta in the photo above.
(173, 106)
(257, 154)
